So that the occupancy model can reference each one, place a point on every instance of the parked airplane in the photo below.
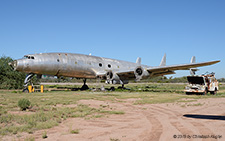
(93, 67)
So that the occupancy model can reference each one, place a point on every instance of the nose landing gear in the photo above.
(26, 81)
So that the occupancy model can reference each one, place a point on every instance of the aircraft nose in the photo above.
(13, 64)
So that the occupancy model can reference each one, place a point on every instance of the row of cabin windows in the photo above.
(100, 64)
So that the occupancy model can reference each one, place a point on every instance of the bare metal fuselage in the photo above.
(70, 65)
(86, 66)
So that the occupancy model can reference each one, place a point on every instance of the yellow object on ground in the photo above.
(42, 88)
(30, 89)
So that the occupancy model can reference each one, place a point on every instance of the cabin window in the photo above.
(32, 57)
(109, 65)
(100, 64)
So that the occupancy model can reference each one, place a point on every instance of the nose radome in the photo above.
(13, 64)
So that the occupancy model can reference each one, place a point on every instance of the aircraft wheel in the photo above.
(26, 90)
(84, 87)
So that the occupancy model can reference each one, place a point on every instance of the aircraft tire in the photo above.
(84, 87)
(26, 90)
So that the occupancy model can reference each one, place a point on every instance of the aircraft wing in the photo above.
(157, 71)
(124, 75)
(163, 70)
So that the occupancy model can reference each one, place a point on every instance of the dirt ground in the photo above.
(203, 119)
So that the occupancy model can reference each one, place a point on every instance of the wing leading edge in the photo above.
(163, 70)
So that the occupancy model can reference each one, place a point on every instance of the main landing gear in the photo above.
(85, 86)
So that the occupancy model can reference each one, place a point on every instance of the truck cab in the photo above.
(202, 84)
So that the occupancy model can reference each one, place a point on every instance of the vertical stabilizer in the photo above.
(163, 61)
(138, 61)
(193, 59)
(193, 70)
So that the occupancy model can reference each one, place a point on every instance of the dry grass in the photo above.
(45, 112)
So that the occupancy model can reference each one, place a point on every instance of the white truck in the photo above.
(202, 84)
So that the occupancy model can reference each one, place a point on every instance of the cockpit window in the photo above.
(28, 57)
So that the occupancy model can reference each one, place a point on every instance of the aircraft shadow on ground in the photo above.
(211, 117)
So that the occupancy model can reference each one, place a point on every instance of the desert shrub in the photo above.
(44, 135)
(75, 131)
(24, 104)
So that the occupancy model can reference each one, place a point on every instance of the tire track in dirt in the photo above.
(197, 127)
(202, 128)
(156, 129)
(180, 124)
(174, 124)
(157, 117)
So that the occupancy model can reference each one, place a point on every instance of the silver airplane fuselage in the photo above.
(70, 65)
(90, 67)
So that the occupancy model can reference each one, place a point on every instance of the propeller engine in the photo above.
(138, 72)
(112, 78)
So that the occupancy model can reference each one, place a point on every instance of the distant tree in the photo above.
(221, 80)
(10, 79)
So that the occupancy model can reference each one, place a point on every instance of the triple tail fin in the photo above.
(193, 70)
(138, 61)
(163, 61)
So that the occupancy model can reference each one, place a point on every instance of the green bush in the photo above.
(10, 79)
(44, 135)
(75, 131)
(24, 104)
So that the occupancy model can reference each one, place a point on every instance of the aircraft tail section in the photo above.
(193, 70)
(138, 61)
(163, 61)
(193, 59)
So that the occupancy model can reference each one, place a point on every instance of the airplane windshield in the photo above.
(28, 57)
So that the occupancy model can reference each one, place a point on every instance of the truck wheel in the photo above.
(188, 93)
(213, 92)
(205, 92)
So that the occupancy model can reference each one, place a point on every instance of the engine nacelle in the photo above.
(139, 73)
(112, 78)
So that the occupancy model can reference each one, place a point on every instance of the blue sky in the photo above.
(119, 29)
